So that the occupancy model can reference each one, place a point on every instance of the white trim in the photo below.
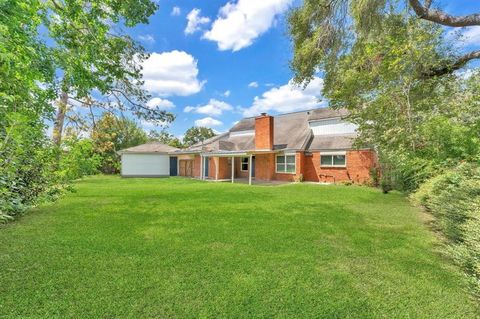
(233, 169)
(334, 153)
(242, 133)
(285, 164)
(250, 169)
(241, 164)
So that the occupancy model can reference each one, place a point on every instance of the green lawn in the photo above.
(174, 247)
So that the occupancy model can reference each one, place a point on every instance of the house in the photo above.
(315, 145)
(148, 160)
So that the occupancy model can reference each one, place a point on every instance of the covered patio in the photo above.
(229, 158)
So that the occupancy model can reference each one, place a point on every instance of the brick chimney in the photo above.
(264, 132)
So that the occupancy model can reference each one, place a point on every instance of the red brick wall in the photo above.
(357, 170)
(264, 132)
(224, 167)
(238, 172)
(264, 167)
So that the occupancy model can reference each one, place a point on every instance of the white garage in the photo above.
(148, 160)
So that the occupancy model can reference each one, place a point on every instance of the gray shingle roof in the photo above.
(151, 147)
(325, 113)
(331, 142)
(291, 132)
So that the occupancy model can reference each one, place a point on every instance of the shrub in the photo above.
(78, 159)
(453, 198)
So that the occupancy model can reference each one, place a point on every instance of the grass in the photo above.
(138, 248)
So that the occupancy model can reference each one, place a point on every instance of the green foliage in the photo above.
(454, 200)
(112, 134)
(26, 172)
(165, 137)
(378, 69)
(78, 159)
(196, 135)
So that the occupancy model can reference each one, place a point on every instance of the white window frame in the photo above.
(332, 154)
(285, 164)
(242, 163)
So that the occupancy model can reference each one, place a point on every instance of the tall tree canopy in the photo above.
(394, 72)
(197, 134)
(324, 30)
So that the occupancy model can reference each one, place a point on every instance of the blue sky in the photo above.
(211, 66)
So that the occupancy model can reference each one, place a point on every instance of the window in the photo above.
(286, 164)
(335, 160)
(244, 164)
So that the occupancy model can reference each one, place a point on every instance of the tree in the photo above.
(98, 66)
(112, 134)
(380, 69)
(164, 137)
(197, 134)
(323, 30)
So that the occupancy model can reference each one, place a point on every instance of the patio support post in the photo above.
(250, 170)
(201, 167)
(233, 169)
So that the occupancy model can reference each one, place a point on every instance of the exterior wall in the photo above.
(224, 167)
(357, 169)
(264, 167)
(238, 172)
(264, 132)
(145, 165)
(332, 127)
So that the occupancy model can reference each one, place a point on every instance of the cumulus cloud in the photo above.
(208, 122)
(213, 108)
(157, 102)
(288, 98)
(239, 24)
(253, 85)
(176, 11)
(195, 21)
(471, 35)
(147, 38)
(171, 73)
(226, 93)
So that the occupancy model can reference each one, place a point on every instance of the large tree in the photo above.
(323, 30)
(197, 134)
(112, 134)
(98, 64)
(394, 72)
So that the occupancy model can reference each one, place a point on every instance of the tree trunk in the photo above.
(60, 118)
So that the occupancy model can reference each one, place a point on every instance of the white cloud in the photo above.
(227, 93)
(176, 11)
(471, 35)
(171, 73)
(157, 102)
(213, 108)
(253, 85)
(239, 24)
(147, 38)
(195, 21)
(288, 98)
(208, 122)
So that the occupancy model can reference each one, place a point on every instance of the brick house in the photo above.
(313, 145)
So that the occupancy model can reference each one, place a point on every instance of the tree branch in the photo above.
(440, 17)
(458, 64)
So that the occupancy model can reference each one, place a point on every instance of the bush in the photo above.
(26, 157)
(453, 198)
(78, 159)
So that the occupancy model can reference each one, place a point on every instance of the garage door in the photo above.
(145, 165)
